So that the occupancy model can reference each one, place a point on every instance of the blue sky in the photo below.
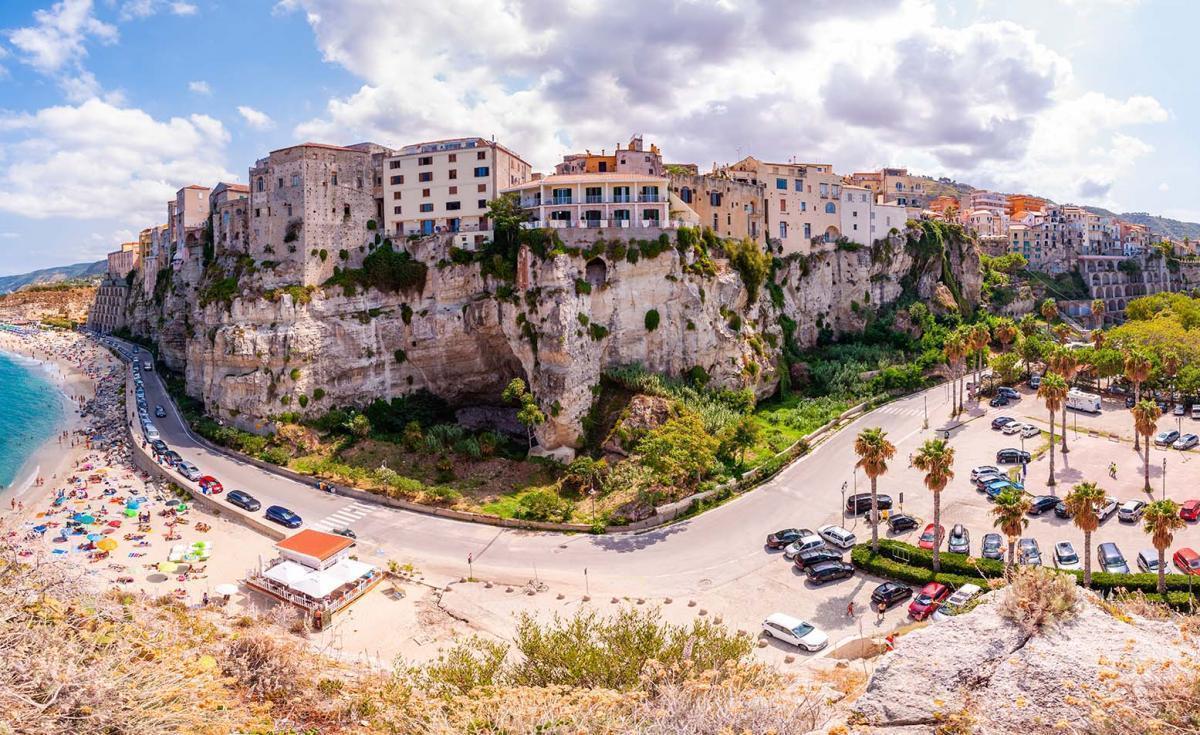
(108, 106)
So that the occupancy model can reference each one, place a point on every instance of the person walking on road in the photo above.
(850, 609)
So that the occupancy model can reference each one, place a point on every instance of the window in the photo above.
(257, 212)
(481, 156)
(561, 196)
(714, 198)
(396, 180)
(560, 214)
(824, 190)
(453, 190)
(807, 231)
(454, 173)
(799, 185)
(803, 206)
(358, 182)
(453, 157)
(259, 183)
(782, 205)
(482, 204)
(453, 205)
(279, 183)
(425, 161)
(425, 176)
(781, 184)
(783, 230)
(333, 178)
(685, 195)
(481, 171)
(395, 210)
(427, 207)
(425, 192)
(481, 188)
(393, 164)
(346, 211)
(288, 207)
(396, 194)
(650, 215)
(830, 208)
(621, 215)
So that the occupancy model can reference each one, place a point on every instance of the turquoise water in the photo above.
(31, 411)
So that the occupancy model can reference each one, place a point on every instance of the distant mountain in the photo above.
(78, 271)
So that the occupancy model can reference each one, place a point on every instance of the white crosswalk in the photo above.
(899, 411)
(343, 518)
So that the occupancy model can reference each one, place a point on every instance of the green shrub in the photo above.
(318, 394)
(582, 287)
(651, 320)
(751, 263)
(543, 505)
(323, 254)
(371, 225)
(442, 495)
(384, 269)
(597, 331)
(400, 356)
(276, 455)
(303, 400)
(295, 374)
(344, 254)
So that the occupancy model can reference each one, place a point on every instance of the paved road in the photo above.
(709, 551)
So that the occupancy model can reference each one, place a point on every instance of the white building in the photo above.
(865, 220)
(596, 200)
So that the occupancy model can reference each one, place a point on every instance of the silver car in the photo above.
(1065, 556)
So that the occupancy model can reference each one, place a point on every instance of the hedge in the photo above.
(977, 568)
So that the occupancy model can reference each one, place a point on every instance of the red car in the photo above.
(1187, 560)
(929, 599)
(209, 484)
(1190, 510)
(927, 537)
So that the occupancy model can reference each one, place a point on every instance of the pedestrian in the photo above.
(204, 600)
(881, 609)
(850, 609)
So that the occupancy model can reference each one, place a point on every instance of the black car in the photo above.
(813, 556)
(783, 537)
(243, 500)
(1130, 402)
(344, 532)
(890, 593)
(861, 503)
(171, 457)
(1012, 456)
(1060, 509)
(998, 401)
(902, 522)
(1001, 421)
(1041, 504)
(828, 571)
(992, 546)
(159, 446)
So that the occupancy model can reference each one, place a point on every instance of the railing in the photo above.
(560, 200)
(563, 224)
(650, 198)
(594, 199)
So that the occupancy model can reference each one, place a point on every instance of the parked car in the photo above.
(1110, 559)
(159, 411)
(1130, 402)
(1012, 428)
(786, 536)
(890, 593)
(1196, 410)
(992, 489)
(1179, 410)
(804, 543)
(1030, 431)
(837, 536)
(1035, 381)
(1190, 510)
(815, 556)
(860, 503)
(829, 571)
(210, 485)
(1010, 393)
(1187, 560)
(901, 522)
(957, 601)
(1065, 556)
(1061, 510)
(1028, 552)
(959, 541)
(1187, 441)
(987, 478)
(1001, 421)
(171, 458)
(1041, 504)
(794, 631)
(1012, 456)
(1147, 561)
(1107, 509)
(929, 539)
(1130, 511)
(243, 500)
(1166, 438)
(983, 470)
(931, 596)
(159, 446)
(283, 516)
(992, 546)
(998, 401)
(345, 532)
(188, 470)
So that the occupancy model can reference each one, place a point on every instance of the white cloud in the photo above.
(199, 87)
(100, 161)
(1164, 186)
(183, 9)
(879, 82)
(138, 9)
(9, 235)
(255, 119)
(57, 38)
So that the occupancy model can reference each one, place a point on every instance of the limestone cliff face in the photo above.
(564, 321)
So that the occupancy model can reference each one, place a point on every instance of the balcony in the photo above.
(560, 200)
(643, 197)
(594, 199)
(621, 199)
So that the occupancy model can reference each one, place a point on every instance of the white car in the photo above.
(804, 543)
(961, 596)
(794, 631)
(1012, 428)
(1065, 556)
(1131, 510)
(188, 470)
(1196, 411)
(1179, 409)
(1187, 441)
(1029, 431)
(983, 470)
(837, 536)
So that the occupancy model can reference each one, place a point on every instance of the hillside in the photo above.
(89, 271)
(1164, 226)
(69, 300)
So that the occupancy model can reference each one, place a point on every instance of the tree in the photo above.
(585, 474)
(1098, 309)
(936, 459)
(1098, 339)
(1006, 366)
(1083, 504)
(980, 337)
(528, 412)
(1008, 515)
(1137, 370)
(358, 426)
(874, 450)
(1049, 310)
(1052, 391)
(680, 451)
(1170, 367)
(751, 263)
(1145, 423)
(743, 435)
(507, 215)
(1006, 332)
(1160, 520)
(954, 348)
(1065, 363)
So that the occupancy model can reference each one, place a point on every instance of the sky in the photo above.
(108, 106)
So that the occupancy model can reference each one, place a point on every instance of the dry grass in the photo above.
(1036, 597)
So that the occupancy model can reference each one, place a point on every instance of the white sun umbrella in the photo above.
(226, 590)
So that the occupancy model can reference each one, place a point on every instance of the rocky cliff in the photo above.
(263, 347)
(47, 302)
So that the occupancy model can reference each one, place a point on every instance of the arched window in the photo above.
(685, 194)
(830, 208)
(259, 183)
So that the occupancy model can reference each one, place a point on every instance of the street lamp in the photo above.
(844, 499)
(1164, 491)
(925, 400)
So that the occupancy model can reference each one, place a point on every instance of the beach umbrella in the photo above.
(166, 567)
(40, 529)
(130, 512)
(106, 544)
(226, 590)
(84, 518)
(94, 537)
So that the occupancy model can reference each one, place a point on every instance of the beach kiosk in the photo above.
(314, 572)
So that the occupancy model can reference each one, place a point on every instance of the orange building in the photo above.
(942, 203)
(1018, 204)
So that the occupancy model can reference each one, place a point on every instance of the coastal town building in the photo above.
(863, 220)
(895, 184)
(445, 186)
(987, 200)
(187, 218)
(634, 158)
(123, 261)
(108, 308)
(621, 200)
(730, 207)
(802, 201)
(230, 207)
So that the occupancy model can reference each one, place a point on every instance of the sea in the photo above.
(31, 412)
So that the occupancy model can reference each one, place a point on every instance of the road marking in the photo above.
(343, 516)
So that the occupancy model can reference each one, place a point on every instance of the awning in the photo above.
(287, 573)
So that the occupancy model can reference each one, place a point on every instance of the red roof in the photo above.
(317, 544)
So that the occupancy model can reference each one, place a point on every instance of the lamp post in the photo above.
(1164, 490)
(925, 400)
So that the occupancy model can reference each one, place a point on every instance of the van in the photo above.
(1081, 401)
(147, 366)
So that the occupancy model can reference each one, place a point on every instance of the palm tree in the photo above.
(936, 459)
(1145, 422)
(1160, 520)
(1098, 340)
(874, 450)
(954, 347)
(1170, 368)
(1006, 333)
(1049, 310)
(1066, 363)
(1084, 503)
(1098, 309)
(1137, 370)
(980, 337)
(1009, 514)
(1052, 391)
